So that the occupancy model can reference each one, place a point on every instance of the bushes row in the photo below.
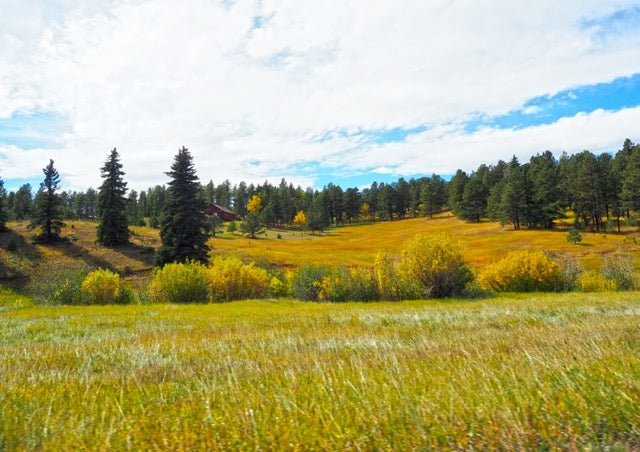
(427, 267)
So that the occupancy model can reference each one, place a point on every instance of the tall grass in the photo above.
(534, 372)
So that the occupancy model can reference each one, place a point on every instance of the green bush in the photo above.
(436, 264)
(305, 281)
(57, 287)
(231, 279)
(574, 236)
(180, 283)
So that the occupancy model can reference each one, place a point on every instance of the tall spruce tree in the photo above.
(113, 229)
(48, 207)
(4, 213)
(183, 224)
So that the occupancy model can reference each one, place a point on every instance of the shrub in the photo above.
(391, 284)
(277, 288)
(231, 279)
(570, 271)
(305, 281)
(60, 286)
(436, 264)
(341, 284)
(180, 283)
(574, 236)
(620, 269)
(522, 271)
(595, 282)
(101, 287)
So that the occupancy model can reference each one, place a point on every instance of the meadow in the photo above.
(359, 244)
(539, 371)
(536, 371)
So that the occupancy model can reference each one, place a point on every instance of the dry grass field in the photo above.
(359, 244)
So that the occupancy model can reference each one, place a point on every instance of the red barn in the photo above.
(223, 213)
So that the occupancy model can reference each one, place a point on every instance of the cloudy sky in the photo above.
(349, 91)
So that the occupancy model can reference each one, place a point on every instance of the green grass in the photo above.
(531, 372)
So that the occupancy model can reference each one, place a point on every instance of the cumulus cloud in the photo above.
(250, 86)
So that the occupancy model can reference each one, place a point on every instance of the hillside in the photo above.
(22, 261)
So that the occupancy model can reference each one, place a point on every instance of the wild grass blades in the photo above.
(535, 371)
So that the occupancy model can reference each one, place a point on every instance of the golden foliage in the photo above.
(521, 271)
(254, 204)
(593, 281)
(231, 279)
(436, 263)
(180, 283)
(101, 286)
(300, 219)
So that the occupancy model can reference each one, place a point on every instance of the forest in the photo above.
(599, 189)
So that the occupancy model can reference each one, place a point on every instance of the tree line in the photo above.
(597, 188)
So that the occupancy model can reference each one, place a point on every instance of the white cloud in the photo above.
(151, 76)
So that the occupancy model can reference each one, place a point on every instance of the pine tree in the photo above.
(113, 229)
(48, 207)
(4, 214)
(183, 224)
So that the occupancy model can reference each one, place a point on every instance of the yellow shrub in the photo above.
(354, 284)
(101, 287)
(391, 284)
(180, 283)
(521, 271)
(596, 282)
(436, 264)
(231, 279)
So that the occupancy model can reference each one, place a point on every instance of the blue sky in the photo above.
(348, 92)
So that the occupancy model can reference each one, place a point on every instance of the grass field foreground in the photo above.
(533, 371)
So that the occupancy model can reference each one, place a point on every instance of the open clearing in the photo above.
(531, 371)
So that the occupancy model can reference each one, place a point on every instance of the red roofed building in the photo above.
(223, 213)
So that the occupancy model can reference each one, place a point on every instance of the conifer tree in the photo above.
(4, 214)
(48, 207)
(183, 224)
(113, 229)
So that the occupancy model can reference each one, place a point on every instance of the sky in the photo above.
(342, 91)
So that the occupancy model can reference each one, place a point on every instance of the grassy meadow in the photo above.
(355, 245)
(359, 244)
(536, 371)
(515, 371)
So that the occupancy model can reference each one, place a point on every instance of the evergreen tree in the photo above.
(113, 229)
(546, 190)
(434, 195)
(48, 207)
(351, 204)
(4, 214)
(475, 195)
(514, 205)
(23, 202)
(456, 191)
(183, 224)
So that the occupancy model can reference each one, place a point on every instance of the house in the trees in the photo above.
(223, 213)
